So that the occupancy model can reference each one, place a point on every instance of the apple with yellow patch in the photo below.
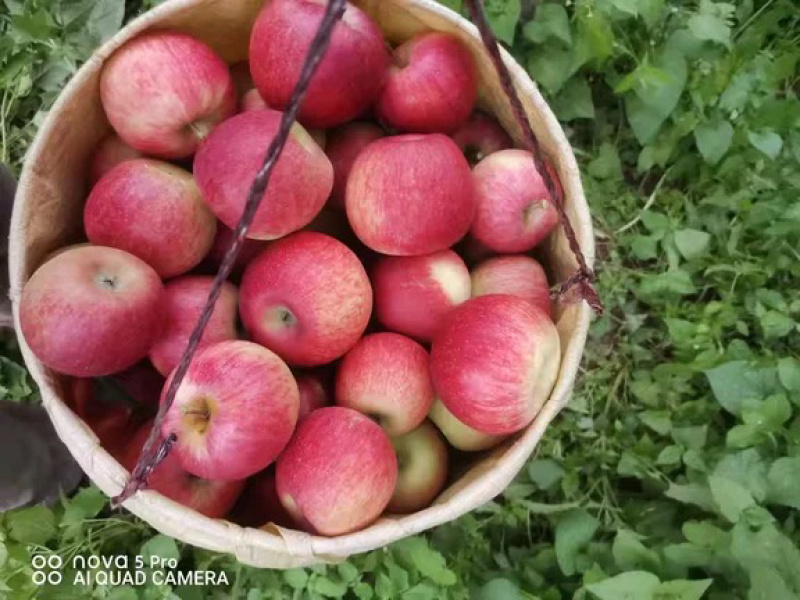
(421, 468)
(458, 434)
(164, 91)
(414, 293)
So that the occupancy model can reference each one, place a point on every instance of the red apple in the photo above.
(184, 299)
(431, 88)
(155, 211)
(410, 194)
(458, 434)
(163, 92)
(307, 298)
(259, 504)
(515, 211)
(385, 376)
(229, 159)
(338, 472)
(234, 412)
(421, 468)
(481, 136)
(91, 311)
(252, 100)
(494, 362)
(345, 145)
(516, 275)
(413, 293)
(313, 394)
(347, 80)
(222, 242)
(110, 152)
(214, 499)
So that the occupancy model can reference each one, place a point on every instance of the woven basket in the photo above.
(47, 215)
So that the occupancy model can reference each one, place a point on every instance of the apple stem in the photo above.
(154, 451)
(583, 278)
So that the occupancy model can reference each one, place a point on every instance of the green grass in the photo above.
(674, 474)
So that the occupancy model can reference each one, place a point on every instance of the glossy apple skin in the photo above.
(233, 393)
(494, 362)
(515, 211)
(349, 77)
(432, 88)
(222, 242)
(313, 394)
(92, 311)
(517, 275)
(307, 298)
(214, 499)
(336, 492)
(155, 211)
(163, 92)
(344, 146)
(259, 504)
(184, 299)
(385, 376)
(414, 293)
(409, 195)
(110, 152)
(422, 463)
(228, 160)
(480, 136)
(458, 434)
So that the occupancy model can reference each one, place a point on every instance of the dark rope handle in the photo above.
(583, 278)
(155, 451)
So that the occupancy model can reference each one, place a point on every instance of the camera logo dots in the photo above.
(47, 569)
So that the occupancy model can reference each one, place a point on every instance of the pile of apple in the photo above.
(348, 292)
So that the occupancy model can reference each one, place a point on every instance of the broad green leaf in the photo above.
(34, 525)
(499, 589)
(552, 68)
(421, 591)
(629, 7)
(86, 504)
(550, 21)
(503, 16)
(3, 554)
(713, 138)
(328, 588)
(768, 548)
(789, 373)
(160, 546)
(416, 552)
(674, 282)
(687, 555)
(731, 497)
(669, 455)
(573, 531)
(363, 591)
(574, 101)
(710, 27)
(657, 420)
(736, 384)
(655, 98)
(296, 578)
(776, 325)
(691, 493)
(682, 589)
(644, 247)
(692, 243)
(105, 20)
(706, 534)
(630, 554)
(746, 468)
(784, 482)
(767, 141)
(767, 584)
(651, 11)
(347, 571)
(633, 585)
(544, 472)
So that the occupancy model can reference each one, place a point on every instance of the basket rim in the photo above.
(279, 547)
